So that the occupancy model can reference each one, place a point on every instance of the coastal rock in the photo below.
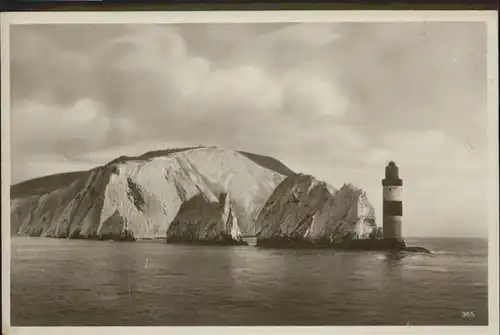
(138, 197)
(69, 206)
(417, 249)
(304, 211)
(203, 221)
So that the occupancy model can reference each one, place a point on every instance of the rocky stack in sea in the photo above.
(305, 212)
(202, 221)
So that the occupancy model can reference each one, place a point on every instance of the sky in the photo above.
(335, 100)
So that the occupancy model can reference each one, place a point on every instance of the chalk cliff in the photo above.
(201, 220)
(139, 197)
(303, 210)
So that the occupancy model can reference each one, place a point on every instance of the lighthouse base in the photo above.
(376, 244)
(394, 243)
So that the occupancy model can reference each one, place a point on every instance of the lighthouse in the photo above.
(393, 206)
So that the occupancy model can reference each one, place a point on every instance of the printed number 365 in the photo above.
(468, 314)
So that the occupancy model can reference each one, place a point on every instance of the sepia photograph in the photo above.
(225, 169)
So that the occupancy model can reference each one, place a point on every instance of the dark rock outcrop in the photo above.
(202, 221)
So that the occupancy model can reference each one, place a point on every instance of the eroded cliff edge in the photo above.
(68, 206)
(303, 211)
(138, 197)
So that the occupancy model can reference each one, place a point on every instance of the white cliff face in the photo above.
(141, 197)
(303, 208)
(291, 208)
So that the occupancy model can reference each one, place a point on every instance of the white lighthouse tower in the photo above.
(393, 206)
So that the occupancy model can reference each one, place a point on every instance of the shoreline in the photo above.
(353, 245)
(276, 243)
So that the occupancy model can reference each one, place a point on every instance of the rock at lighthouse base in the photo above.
(418, 249)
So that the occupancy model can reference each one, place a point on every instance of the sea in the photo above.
(61, 282)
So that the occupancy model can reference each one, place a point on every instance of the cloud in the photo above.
(41, 128)
(299, 36)
(147, 84)
(44, 164)
(275, 85)
(312, 94)
(241, 90)
(43, 71)
(417, 75)
(422, 149)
